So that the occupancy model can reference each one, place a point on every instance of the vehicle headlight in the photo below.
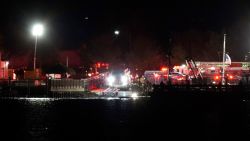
(124, 80)
(110, 80)
(134, 95)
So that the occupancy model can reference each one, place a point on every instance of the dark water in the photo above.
(204, 118)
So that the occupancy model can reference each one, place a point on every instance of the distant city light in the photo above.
(117, 32)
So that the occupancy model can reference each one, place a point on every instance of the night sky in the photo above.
(67, 26)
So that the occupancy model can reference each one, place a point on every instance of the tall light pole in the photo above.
(224, 57)
(37, 31)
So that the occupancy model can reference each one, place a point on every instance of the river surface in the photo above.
(169, 118)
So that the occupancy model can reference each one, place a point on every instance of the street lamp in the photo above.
(37, 31)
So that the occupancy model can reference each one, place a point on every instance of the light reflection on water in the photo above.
(38, 100)
(53, 118)
(41, 114)
(42, 100)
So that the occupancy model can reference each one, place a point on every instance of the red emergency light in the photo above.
(98, 65)
(216, 77)
(230, 77)
(164, 69)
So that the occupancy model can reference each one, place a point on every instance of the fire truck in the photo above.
(120, 79)
(156, 76)
(211, 72)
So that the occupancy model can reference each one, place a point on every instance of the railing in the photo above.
(23, 88)
(40, 88)
(67, 85)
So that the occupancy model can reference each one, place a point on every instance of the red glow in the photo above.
(230, 77)
(165, 76)
(176, 67)
(179, 79)
(101, 64)
(164, 69)
(216, 77)
(98, 65)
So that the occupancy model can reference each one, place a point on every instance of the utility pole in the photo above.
(169, 54)
(34, 60)
(223, 63)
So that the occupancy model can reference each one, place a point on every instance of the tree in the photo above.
(145, 54)
(199, 45)
(142, 52)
